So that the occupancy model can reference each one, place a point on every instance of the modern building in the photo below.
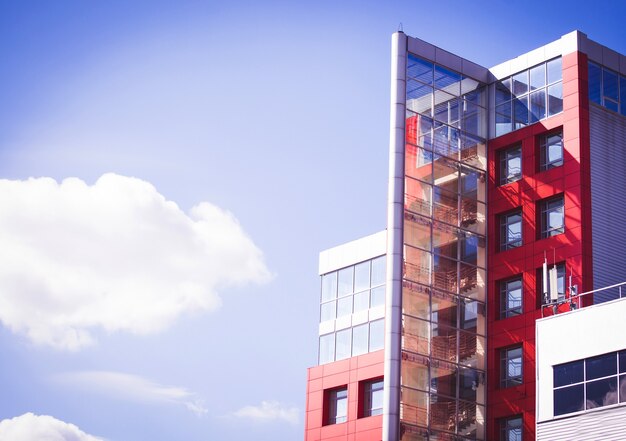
(506, 199)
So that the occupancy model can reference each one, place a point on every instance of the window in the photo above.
(593, 382)
(510, 230)
(372, 397)
(552, 217)
(511, 366)
(607, 88)
(510, 297)
(511, 429)
(510, 165)
(560, 282)
(551, 151)
(336, 403)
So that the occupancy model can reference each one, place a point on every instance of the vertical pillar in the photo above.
(395, 216)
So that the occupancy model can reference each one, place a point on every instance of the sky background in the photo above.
(131, 314)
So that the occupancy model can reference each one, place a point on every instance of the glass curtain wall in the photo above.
(444, 280)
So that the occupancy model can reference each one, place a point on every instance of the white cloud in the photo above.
(129, 387)
(30, 427)
(268, 411)
(115, 255)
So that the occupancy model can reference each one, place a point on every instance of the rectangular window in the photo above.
(510, 230)
(372, 397)
(511, 429)
(511, 367)
(586, 384)
(510, 297)
(552, 214)
(510, 165)
(551, 151)
(336, 405)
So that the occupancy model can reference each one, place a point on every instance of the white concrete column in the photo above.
(395, 215)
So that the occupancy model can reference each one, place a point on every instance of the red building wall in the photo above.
(573, 247)
(351, 373)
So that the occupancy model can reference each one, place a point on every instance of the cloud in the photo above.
(268, 411)
(115, 255)
(129, 387)
(31, 427)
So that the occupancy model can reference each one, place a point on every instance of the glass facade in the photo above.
(607, 88)
(442, 392)
(528, 96)
(352, 310)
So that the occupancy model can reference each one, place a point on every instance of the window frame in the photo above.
(544, 162)
(506, 427)
(369, 389)
(504, 225)
(506, 155)
(505, 310)
(588, 379)
(333, 412)
(545, 208)
(506, 359)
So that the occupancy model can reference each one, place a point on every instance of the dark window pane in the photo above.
(555, 99)
(568, 373)
(537, 105)
(568, 400)
(601, 366)
(520, 83)
(420, 69)
(622, 388)
(601, 393)
(609, 84)
(595, 81)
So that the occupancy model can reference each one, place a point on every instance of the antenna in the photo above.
(545, 278)
(400, 27)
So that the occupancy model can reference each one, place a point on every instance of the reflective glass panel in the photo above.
(413, 407)
(417, 231)
(327, 348)
(601, 393)
(377, 335)
(538, 105)
(378, 296)
(537, 77)
(329, 286)
(344, 306)
(418, 163)
(443, 413)
(415, 300)
(414, 371)
(343, 343)
(443, 378)
(415, 335)
(418, 197)
(568, 373)
(360, 339)
(443, 343)
(419, 69)
(327, 311)
(569, 399)
(520, 106)
(361, 301)
(503, 91)
(520, 83)
(445, 207)
(362, 276)
(417, 265)
(601, 366)
(609, 84)
(595, 83)
(379, 266)
(555, 73)
(447, 80)
(346, 277)
(622, 361)
(555, 99)
(469, 380)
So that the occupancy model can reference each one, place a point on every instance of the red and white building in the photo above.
(507, 199)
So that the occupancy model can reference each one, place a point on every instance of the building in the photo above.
(495, 174)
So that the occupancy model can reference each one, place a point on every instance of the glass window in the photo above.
(551, 151)
(511, 366)
(511, 429)
(377, 335)
(420, 69)
(329, 286)
(378, 297)
(590, 383)
(511, 297)
(361, 301)
(510, 230)
(609, 84)
(555, 72)
(344, 306)
(552, 217)
(538, 105)
(346, 278)
(537, 77)
(520, 83)
(510, 164)
(343, 344)
(373, 397)
(595, 83)
(378, 270)
(336, 405)
(555, 99)
(327, 311)
(362, 276)
(360, 339)
(327, 348)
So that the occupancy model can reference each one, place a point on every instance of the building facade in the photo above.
(506, 195)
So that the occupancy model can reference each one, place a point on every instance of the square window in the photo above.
(372, 394)
(511, 429)
(510, 164)
(510, 230)
(510, 297)
(551, 151)
(336, 406)
(552, 216)
(511, 366)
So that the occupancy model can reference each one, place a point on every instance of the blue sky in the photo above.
(135, 316)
